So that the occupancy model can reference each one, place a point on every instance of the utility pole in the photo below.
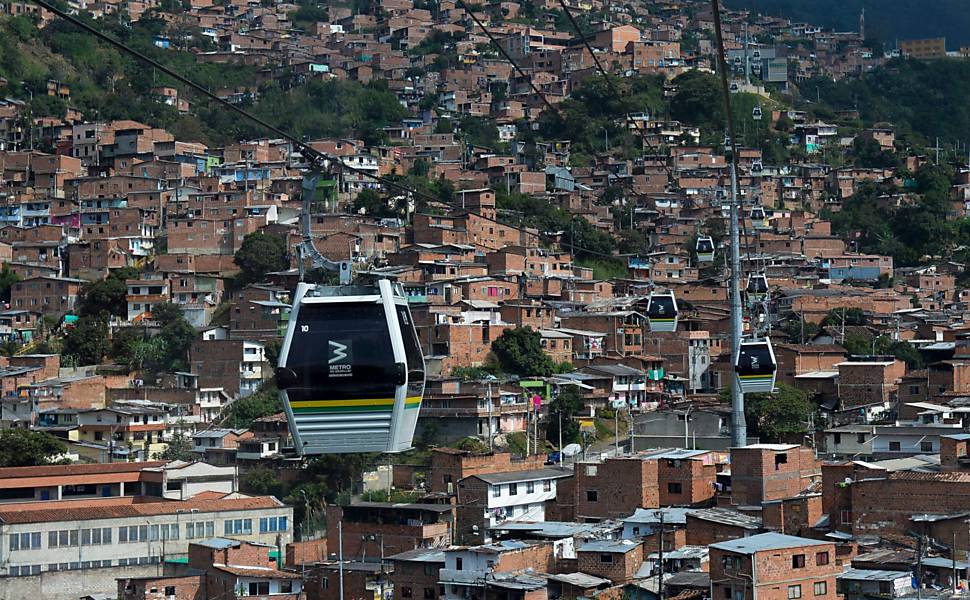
(616, 430)
(739, 428)
(559, 413)
(488, 398)
(340, 556)
(660, 561)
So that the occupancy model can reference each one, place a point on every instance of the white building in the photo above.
(103, 538)
(513, 496)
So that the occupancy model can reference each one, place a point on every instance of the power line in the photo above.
(310, 153)
(613, 88)
(508, 57)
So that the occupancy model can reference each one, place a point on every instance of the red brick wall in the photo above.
(621, 570)
(757, 474)
(186, 588)
(418, 576)
(775, 573)
(622, 485)
(704, 533)
(696, 481)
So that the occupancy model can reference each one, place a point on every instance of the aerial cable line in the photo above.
(310, 153)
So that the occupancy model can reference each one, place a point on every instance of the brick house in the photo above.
(415, 573)
(469, 570)
(225, 567)
(615, 488)
(764, 472)
(617, 561)
(47, 295)
(401, 526)
(449, 466)
(707, 526)
(773, 566)
(869, 383)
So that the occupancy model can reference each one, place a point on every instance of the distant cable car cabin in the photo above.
(351, 370)
(757, 288)
(662, 312)
(756, 366)
(705, 249)
(759, 219)
(756, 113)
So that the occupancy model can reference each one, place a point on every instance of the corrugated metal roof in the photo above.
(765, 541)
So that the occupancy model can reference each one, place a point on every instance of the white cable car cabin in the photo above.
(662, 312)
(705, 249)
(756, 366)
(759, 219)
(351, 371)
(757, 287)
(756, 113)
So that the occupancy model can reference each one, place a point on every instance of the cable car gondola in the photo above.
(662, 312)
(705, 249)
(757, 288)
(351, 371)
(756, 113)
(756, 366)
(759, 219)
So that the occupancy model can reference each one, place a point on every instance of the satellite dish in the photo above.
(572, 450)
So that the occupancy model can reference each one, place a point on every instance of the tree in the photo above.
(371, 203)
(262, 481)
(262, 403)
(7, 278)
(170, 347)
(563, 409)
(698, 101)
(519, 351)
(179, 448)
(259, 254)
(779, 416)
(109, 295)
(87, 342)
(24, 448)
(850, 317)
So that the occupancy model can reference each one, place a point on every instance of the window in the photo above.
(169, 590)
(513, 489)
(592, 496)
(837, 438)
(428, 593)
(530, 487)
(25, 541)
(727, 593)
(258, 588)
(591, 470)
(926, 446)
(780, 459)
(458, 564)
(606, 559)
(497, 491)
(821, 588)
(894, 446)
(675, 488)
(238, 526)
(798, 561)
(821, 558)
(845, 517)
(794, 592)
(860, 438)
(406, 592)
(272, 524)
(547, 485)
